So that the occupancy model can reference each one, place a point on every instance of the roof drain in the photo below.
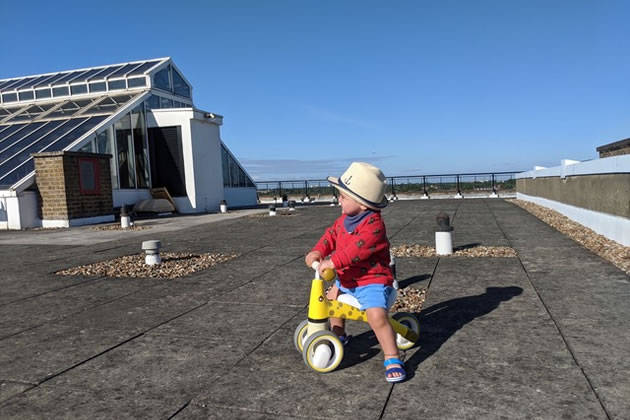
(152, 251)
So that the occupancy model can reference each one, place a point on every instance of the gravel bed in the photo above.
(608, 249)
(278, 213)
(409, 299)
(174, 264)
(414, 250)
(116, 226)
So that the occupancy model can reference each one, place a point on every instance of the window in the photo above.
(166, 103)
(233, 175)
(226, 168)
(116, 84)
(105, 144)
(136, 82)
(153, 102)
(61, 91)
(162, 79)
(98, 87)
(124, 153)
(9, 97)
(43, 93)
(89, 176)
(87, 147)
(78, 89)
(140, 147)
(26, 95)
(180, 87)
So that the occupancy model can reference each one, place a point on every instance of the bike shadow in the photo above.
(437, 324)
(441, 321)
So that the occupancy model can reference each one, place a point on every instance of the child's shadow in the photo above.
(439, 322)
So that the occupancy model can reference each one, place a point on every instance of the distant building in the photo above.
(621, 147)
(142, 114)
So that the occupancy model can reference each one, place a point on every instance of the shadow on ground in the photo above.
(437, 324)
(442, 320)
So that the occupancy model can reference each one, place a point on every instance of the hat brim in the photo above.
(369, 204)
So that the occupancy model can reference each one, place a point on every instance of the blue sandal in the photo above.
(401, 370)
(345, 339)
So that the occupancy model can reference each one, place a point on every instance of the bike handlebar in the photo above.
(328, 274)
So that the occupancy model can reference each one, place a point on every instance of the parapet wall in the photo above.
(607, 193)
(595, 193)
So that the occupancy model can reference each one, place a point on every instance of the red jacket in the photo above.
(360, 257)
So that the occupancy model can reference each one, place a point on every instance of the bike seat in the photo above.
(349, 300)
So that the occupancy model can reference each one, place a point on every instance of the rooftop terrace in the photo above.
(542, 335)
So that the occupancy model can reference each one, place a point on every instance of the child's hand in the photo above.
(311, 257)
(325, 265)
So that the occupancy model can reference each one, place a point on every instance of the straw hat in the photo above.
(364, 183)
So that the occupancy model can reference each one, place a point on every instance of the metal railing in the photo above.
(478, 183)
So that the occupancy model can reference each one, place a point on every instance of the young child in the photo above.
(359, 251)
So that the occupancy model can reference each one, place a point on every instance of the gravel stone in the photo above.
(174, 264)
(414, 250)
(409, 299)
(116, 226)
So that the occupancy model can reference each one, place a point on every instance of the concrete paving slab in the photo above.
(192, 411)
(229, 320)
(9, 389)
(286, 285)
(18, 286)
(481, 390)
(163, 373)
(70, 403)
(415, 271)
(298, 394)
(39, 354)
(133, 315)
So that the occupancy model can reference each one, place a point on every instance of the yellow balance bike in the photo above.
(322, 349)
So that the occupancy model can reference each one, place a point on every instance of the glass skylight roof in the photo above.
(75, 82)
(48, 127)
(57, 111)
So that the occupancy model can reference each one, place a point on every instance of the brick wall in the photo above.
(59, 183)
(616, 152)
(618, 148)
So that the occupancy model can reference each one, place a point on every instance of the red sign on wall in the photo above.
(89, 176)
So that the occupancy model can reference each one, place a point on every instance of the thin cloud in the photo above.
(327, 115)
(287, 169)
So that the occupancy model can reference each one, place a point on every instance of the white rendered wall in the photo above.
(208, 168)
(179, 117)
(29, 210)
(613, 227)
(19, 210)
(201, 144)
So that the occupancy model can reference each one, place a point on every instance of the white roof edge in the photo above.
(607, 165)
(161, 59)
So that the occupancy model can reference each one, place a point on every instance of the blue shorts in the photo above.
(372, 295)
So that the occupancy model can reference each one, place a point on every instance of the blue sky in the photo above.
(415, 87)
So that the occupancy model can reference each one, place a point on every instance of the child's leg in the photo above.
(337, 325)
(379, 322)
